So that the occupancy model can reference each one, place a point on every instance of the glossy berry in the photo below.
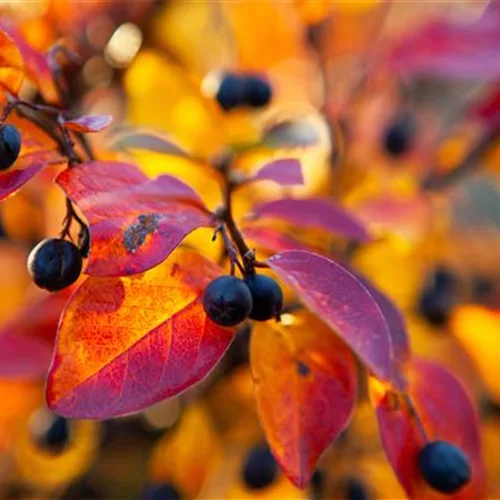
(260, 468)
(444, 466)
(55, 437)
(55, 264)
(438, 296)
(266, 295)
(231, 91)
(257, 91)
(160, 491)
(399, 135)
(227, 301)
(10, 145)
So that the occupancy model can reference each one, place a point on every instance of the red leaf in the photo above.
(32, 159)
(313, 213)
(151, 141)
(285, 171)
(126, 343)
(343, 302)
(305, 381)
(273, 239)
(11, 65)
(447, 413)
(452, 48)
(135, 223)
(27, 341)
(36, 65)
(89, 123)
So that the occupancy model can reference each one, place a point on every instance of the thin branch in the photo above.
(414, 414)
(471, 162)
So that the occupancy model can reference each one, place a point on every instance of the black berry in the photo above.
(444, 466)
(266, 295)
(160, 491)
(399, 135)
(260, 468)
(227, 301)
(55, 437)
(231, 92)
(55, 264)
(438, 296)
(257, 91)
(10, 145)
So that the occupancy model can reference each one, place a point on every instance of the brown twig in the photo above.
(435, 181)
(414, 414)
(230, 249)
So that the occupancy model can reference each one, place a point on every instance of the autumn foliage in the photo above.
(293, 150)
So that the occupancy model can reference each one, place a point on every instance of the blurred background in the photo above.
(393, 109)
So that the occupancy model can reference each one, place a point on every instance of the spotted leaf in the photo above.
(305, 380)
(135, 223)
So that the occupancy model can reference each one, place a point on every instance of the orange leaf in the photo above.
(11, 65)
(126, 343)
(447, 414)
(36, 66)
(305, 380)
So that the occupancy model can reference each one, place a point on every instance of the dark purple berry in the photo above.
(444, 466)
(231, 91)
(160, 491)
(260, 468)
(10, 145)
(399, 135)
(227, 301)
(267, 297)
(438, 296)
(257, 91)
(55, 264)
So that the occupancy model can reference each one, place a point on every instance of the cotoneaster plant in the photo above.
(151, 318)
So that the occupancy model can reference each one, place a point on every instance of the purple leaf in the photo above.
(88, 123)
(285, 171)
(273, 239)
(313, 213)
(452, 48)
(400, 341)
(343, 302)
(135, 223)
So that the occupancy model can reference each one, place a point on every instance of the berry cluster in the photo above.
(243, 90)
(229, 300)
